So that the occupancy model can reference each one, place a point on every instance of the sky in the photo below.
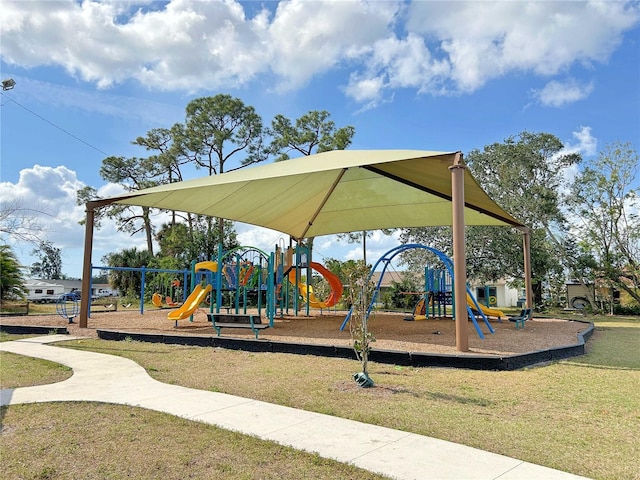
(92, 76)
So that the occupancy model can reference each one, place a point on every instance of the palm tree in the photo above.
(128, 283)
(11, 281)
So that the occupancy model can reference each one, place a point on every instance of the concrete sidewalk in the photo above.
(402, 455)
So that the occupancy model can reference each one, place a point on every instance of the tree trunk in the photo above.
(148, 228)
(221, 230)
(537, 293)
(365, 343)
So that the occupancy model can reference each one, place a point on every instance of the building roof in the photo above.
(391, 277)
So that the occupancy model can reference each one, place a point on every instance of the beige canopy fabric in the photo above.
(332, 192)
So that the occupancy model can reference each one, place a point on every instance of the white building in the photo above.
(498, 294)
(40, 291)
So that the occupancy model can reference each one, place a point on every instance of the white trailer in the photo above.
(43, 292)
(104, 292)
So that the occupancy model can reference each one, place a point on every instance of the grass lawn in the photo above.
(98, 441)
(580, 415)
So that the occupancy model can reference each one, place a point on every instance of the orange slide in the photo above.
(191, 304)
(332, 279)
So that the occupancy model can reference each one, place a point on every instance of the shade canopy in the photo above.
(332, 192)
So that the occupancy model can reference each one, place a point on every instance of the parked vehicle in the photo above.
(43, 292)
(77, 295)
(104, 292)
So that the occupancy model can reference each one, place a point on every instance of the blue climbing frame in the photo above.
(385, 260)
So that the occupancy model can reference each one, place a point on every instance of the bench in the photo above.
(227, 320)
(14, 308)
(519, 320)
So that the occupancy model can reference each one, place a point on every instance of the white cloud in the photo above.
(365, 89)
(48, 192)
(586, 144)
(53, 208)
(556, 94)
(110, 190)
(485, 40)
(394, 64)
(263, 238)
(190, 45)
(431, 47)
(185, 46)
(50, 195)
(310, 38)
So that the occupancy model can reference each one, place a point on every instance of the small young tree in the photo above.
(359, 293)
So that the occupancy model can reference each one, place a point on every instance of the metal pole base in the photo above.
(363, 380)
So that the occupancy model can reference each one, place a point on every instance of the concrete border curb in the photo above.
(414, 359)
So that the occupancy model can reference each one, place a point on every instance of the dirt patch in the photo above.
(392, 332)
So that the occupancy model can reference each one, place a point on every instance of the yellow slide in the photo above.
(489, 312)
(420, 310)
(211, 266)
(191, 304)
(331, 278)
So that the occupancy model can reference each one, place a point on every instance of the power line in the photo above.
(9, 99)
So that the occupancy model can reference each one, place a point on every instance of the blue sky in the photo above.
(92, 76)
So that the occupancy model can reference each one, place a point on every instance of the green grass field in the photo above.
(581, 415)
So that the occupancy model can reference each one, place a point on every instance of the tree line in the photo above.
(220, 134)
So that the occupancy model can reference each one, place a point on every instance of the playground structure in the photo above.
(168, 291)
(307, 291)
(143, 272)
(156, 300)
(315, 197)
(287, 268)
(438, 292)
(487, 311)
(191, 304)
(247, 274)
(242, 272)
(268, 279)
(436, 296)
(227, 282)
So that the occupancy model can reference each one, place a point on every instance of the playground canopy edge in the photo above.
(331, 192)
